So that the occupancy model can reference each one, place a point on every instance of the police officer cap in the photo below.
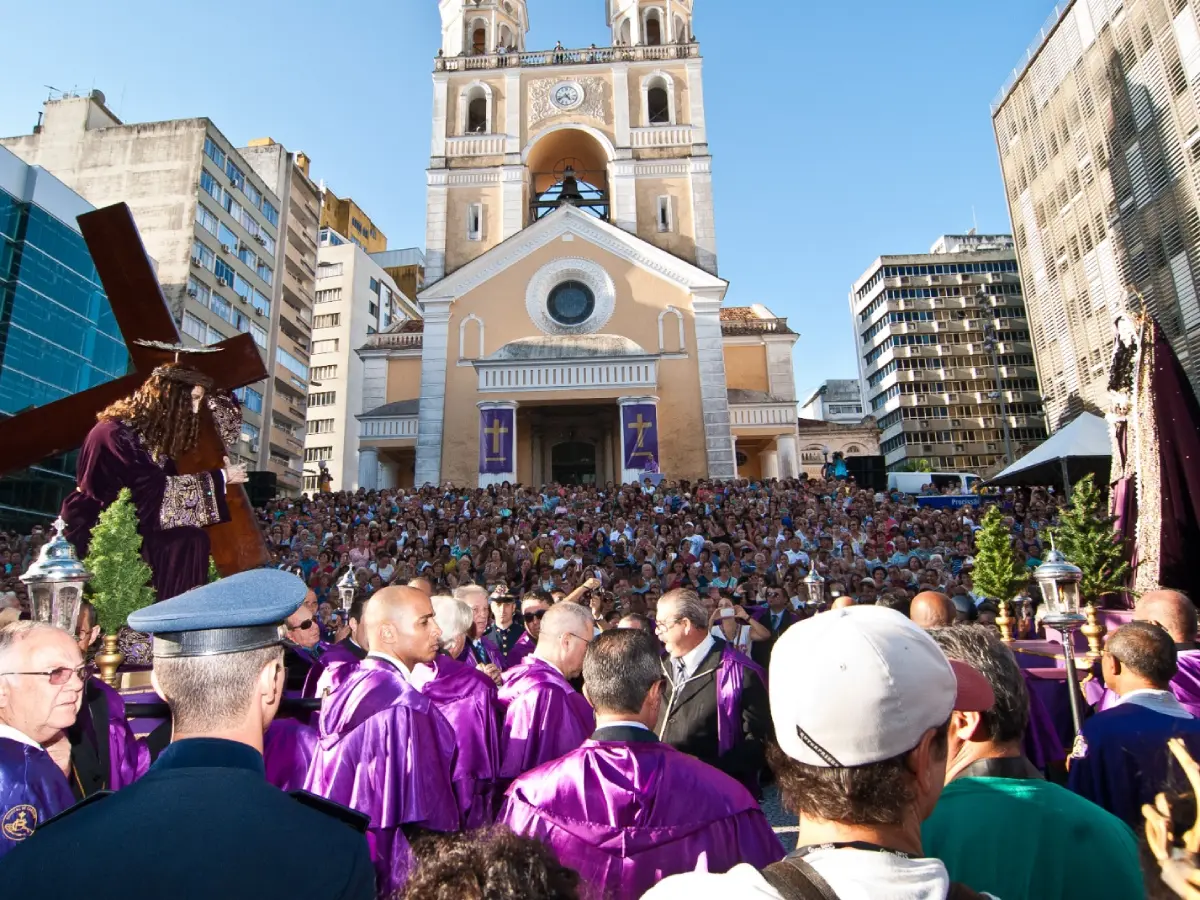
(238, 613)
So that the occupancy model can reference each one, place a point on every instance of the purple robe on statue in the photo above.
(1185, 685)
(468, 699)
(544, 717)
(32, 789)
(288, 748)
(626, 811)
(386, 751)
(171, 508)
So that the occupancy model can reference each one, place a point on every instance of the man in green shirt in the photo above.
(999, 826)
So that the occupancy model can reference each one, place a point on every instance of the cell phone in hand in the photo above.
(728, 613)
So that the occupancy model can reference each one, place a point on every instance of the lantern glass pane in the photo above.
(40, 597)
(1069, 592)
(1050, 596)
(65, 613)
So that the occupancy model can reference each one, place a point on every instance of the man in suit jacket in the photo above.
(355, 642)
(778, 616)
(716, 705)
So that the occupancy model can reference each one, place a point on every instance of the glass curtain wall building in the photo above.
(57, 332)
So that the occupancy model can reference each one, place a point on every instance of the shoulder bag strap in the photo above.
(794, 879)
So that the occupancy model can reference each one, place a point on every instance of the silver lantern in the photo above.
(55, 582)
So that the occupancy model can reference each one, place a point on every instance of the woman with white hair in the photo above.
(467, 698)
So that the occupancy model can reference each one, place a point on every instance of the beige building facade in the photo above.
(573, 327)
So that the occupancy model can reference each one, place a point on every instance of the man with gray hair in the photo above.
(716, 699)
(467, 697)
(991, 788)
(625, 810)
(544, 716)
(482, 651)
(41, 689)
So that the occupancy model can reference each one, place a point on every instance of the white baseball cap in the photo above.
(863, 684)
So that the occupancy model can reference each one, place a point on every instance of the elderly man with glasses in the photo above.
(42, 674)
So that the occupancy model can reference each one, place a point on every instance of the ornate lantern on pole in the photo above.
(55, 582)
(347, 587)
(814, 586)
(1059, 583)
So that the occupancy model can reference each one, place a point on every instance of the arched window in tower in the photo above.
(681, 32)
(625, 33)
(654, 29)
(658, 104)
(479, 41)
(506, 37)
(475, 115)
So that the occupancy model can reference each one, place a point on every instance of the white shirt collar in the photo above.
(692, 659)
(7, 731)
(404, 670)
(1159, 701)
(622, 724)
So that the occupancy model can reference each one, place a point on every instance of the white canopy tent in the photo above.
(1066, 456)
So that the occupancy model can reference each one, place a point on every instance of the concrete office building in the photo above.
(924, 325)
(57, 332)
(207, 217)
(355, 298)
(344, 216)
(1099, 137)
(291, 309)
(837, 400)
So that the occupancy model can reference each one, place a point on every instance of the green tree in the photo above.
(120, 577)
(1085, 536)
(213, 574)
(998, 572)
(915, 465)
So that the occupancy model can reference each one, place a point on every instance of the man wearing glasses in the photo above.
(41, 687)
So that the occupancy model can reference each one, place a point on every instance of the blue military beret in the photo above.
(238, 613)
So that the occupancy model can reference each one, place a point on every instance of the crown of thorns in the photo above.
(183, 375)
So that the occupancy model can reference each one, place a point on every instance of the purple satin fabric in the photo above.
(544, 717)
(288, 748)
(495, 657)
(1043, 745)
(385, 751)
(626, 815)
(330, 656)
(524, 646)
(1185, 685)
(129, 757)
(32, 789)
(469, 701)
(730, 678)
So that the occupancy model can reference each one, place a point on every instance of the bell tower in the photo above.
(480, 27)
(650, 23)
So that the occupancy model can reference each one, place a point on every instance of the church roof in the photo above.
(393, 410)
(581, 346)
(757, 319)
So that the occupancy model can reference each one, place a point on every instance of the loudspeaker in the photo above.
(868, 471)
(263, 487)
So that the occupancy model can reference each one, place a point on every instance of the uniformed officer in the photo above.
(204, 822)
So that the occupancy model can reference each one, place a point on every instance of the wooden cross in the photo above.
(142, 314)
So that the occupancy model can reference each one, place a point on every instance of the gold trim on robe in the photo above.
(227, 414)
(189, 500)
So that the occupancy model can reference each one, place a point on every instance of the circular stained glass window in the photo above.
(571, 303)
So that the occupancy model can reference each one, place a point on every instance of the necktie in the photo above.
(776, 621)
(680, 671)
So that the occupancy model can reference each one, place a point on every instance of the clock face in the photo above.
(567, 96)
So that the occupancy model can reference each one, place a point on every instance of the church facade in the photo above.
(573, 322)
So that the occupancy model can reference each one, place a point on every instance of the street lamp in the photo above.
(814, 586)
(55, 582)
(347, 587)
(1059, 583)
(991, 340)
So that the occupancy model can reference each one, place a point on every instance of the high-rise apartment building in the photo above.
(292, 310)
(57, 331)
(347, 218)
(837, 400)
(211, 221)
(932, 333)
(356, 298)
(1099, 138)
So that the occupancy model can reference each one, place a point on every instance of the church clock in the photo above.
(567, 95)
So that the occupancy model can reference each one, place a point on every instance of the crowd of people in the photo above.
(586, 691)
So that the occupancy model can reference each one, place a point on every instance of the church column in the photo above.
(431, 413)
(623, 187)
(497, 442)
(437, 202)
(770, 464)
(639, 437)
(368, 468)
(733, 444)
(714, 397)
(789, 456)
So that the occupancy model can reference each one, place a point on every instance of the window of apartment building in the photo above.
(253, 195)
(333, 295)
(322, 398)
(250, 398)
(324, 373)
(235, 175)
(206, 219)
(202, 255)
(329, 345)
(373, 287)
(263, 270)
(373, 310)
(261, 302)
(250, 436)
(229, 240)
(198, 290)
(329, 270)
(215, 336)
(194, 327)
(221, 307)
(270, 212)
(290, 363)
(213, 187)
(241, 287)
(331, 320)
(223, 271)
(267, 242)
(259, 334)
(320, 426)
(318, 454)
(213, 152)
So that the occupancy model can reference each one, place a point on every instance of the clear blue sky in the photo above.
(855, 130)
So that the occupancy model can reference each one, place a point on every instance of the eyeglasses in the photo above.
(62, 674)
(533, 616)
(666, 626)
(307, 623)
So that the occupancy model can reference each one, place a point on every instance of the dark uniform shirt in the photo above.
(505, 638)
(202, 824)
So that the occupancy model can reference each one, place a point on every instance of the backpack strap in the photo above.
(794, 879)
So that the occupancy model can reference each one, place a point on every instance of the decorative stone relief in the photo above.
(542, 106)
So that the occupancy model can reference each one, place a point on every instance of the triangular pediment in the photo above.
(567, 220)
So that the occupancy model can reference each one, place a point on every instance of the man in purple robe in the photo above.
(625, 810)
(134, 445)
(544, 717)
(1120, 760)
(288, 748)
(384, 749)
(468, 699)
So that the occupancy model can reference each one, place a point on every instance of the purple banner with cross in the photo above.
(639, 436)
(496, 432)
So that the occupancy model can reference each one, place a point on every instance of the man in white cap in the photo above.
(861, 699)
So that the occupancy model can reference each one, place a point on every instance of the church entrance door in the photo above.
(573, 463)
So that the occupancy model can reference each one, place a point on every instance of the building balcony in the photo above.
(475, 145)
(392, 422)
(503, 376)
(660, 136)
(396, 341)
(563, 57)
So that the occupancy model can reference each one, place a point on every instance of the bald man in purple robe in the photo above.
(384, 749)
(626, 810)
(544, 717)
